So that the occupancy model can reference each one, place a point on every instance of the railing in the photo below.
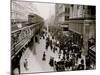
(20, 37)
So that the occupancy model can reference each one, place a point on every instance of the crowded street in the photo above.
(37, 62)
(40, 66)
(62, 39)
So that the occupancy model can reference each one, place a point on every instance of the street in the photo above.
(35, 63)
(62, 39)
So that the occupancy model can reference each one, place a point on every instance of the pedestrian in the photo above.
(44, 56)
(50, 42)
(54, 50)
(47, 44)
(73, 61)
(51, 62)
(59, 56)
(47, 39)
(81, 66)
(87, 62)
(26, 64)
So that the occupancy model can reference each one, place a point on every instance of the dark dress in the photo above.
(51, 62)
(80, 67)
(44, 57)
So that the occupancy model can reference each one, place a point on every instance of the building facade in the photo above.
(82, 24)
(20, 10)
(62, 16)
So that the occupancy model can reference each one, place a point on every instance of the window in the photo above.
(65, 29)
(91, 10)
(66, 10)
(66, 18)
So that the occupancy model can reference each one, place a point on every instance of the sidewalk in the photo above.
(35, 63)
(40, 49)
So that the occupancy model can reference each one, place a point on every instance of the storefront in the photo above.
(76, 38)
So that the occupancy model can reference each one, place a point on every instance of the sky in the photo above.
(45, 10)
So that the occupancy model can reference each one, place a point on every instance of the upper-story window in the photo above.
(91, 10)
(72, 7)
(77, 7)
(66, 18)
